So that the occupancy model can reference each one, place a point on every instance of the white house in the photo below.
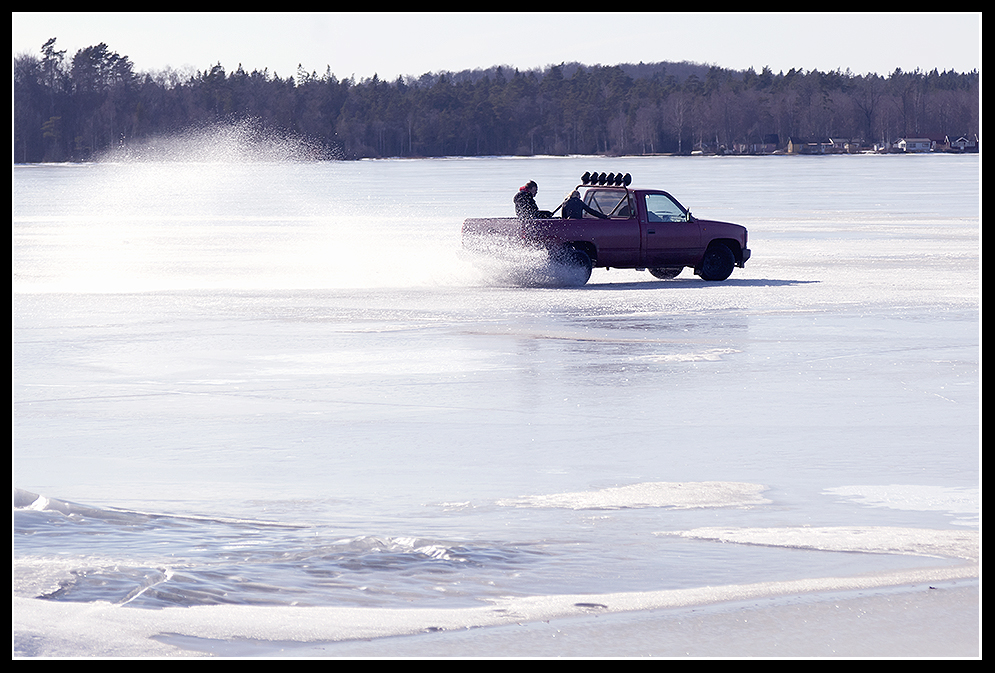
(914, 145)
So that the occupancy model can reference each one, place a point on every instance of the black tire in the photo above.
(576, 266)
(718, 262)
(666, 272)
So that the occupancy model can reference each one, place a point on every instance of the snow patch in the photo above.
(866, 539)
(672, 495)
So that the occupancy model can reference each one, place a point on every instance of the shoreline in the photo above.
(619, 624)
(908, 621)
(540, 156)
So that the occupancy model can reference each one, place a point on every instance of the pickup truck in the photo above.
(644, 229)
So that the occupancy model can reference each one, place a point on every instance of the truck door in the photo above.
(668, 237)
(618, 239)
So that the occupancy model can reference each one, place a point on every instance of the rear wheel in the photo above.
(717, 263)
(575, 266)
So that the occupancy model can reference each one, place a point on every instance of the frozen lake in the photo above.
(253, 387)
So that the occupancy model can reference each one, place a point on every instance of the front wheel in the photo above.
(717, 264)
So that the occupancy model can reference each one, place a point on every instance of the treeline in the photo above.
(72, 109)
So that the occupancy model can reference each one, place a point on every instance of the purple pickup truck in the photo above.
(644, 229)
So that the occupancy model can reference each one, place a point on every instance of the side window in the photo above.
(627, 208)
(661, 208)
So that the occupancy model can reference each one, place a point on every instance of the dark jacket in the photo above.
(525, 205)
(574, 208)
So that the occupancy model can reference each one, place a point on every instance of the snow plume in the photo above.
(230, 140)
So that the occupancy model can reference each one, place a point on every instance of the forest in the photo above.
(73, 108)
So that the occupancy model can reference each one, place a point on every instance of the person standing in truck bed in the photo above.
(574, 208)
(525, 203)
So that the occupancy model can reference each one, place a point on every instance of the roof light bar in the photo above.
(610, 179)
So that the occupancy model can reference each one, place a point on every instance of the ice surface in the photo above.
(963, 502)
(258, 353)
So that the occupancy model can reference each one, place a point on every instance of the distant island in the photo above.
(75, 108)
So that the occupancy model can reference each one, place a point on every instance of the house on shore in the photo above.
(965, 143)
(809, 146)
(909, 145)
(767, 145)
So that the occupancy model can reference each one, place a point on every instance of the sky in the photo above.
(392, 44)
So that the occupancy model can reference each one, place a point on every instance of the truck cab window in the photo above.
(611, 202)
(661, 208)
